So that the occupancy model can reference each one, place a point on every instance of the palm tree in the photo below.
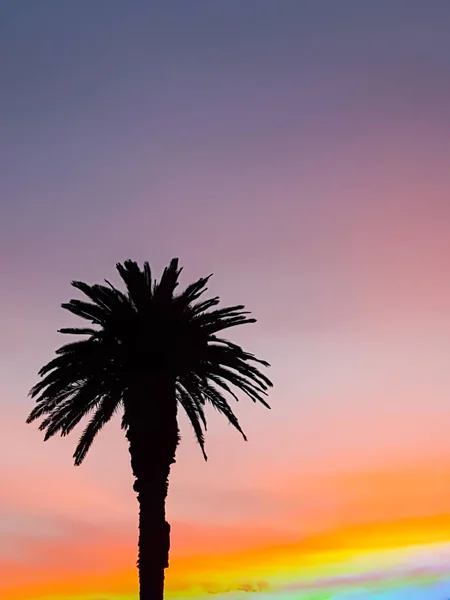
(147, 352)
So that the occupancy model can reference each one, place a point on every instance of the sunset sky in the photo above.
(300, 151)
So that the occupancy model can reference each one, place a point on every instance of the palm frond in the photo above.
(78, 331)
(253, 391)
(103, 414)
(138, 283)
(46, 405)
(203, 306)
(191, 293)
(107, 297)
(139, 333)
(219, 402)
(223, 318)
(163, 292)
(65, 416)
(196, 415)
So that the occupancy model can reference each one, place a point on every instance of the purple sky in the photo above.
(297, 149)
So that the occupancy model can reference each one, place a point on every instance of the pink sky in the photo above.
(305, 163)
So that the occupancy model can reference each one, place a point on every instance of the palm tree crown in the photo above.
(146, 331)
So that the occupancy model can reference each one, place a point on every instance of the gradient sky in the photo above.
(299, 150)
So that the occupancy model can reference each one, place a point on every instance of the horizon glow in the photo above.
(298, 151)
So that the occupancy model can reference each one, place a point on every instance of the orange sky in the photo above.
(299, 154)
(317, 522)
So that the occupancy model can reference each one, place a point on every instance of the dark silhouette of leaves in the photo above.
(147, 330)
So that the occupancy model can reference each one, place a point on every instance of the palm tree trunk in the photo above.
(154, 535)
(153, 438)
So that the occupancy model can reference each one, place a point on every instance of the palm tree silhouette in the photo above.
(148, 351)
